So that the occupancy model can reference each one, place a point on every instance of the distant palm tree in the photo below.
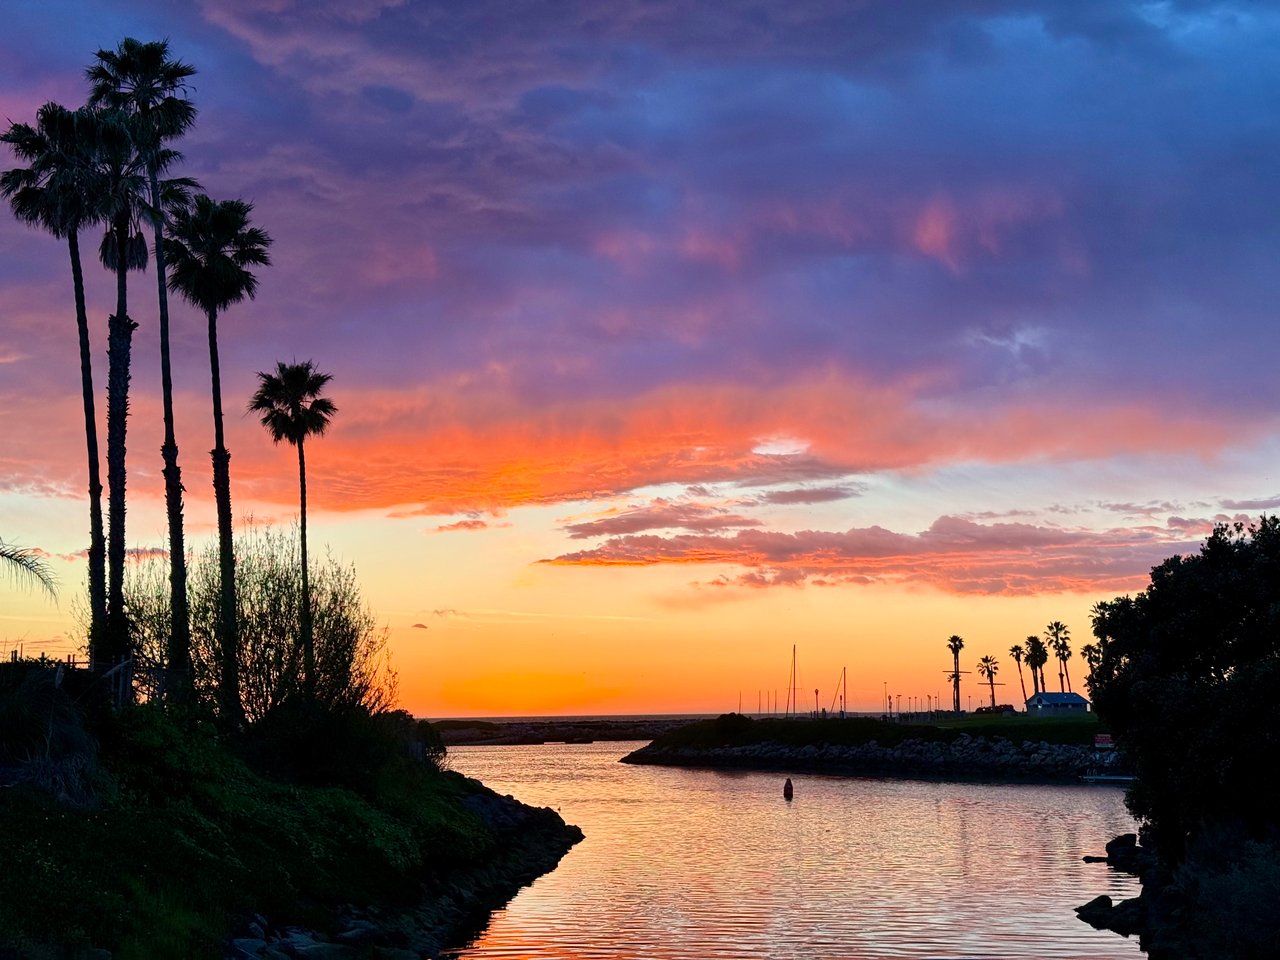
(210, 247)
(1059, 642)
(1091, 654)
(142, 82)
(26, 565)
(1017, 652)
(955, 644)
(1037, 656)
(988, 667)
(292, 409)
(55, 191)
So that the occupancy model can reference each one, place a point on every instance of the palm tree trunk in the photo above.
(228, 631)
(1067, 673)
(179, 652)
(992, 681)
(1062, 686)
(1022, 683)
(97, 540)
(119, 345)
(308, 649)
(955, 691)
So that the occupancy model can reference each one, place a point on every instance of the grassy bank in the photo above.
(167, 835)
(735, 730)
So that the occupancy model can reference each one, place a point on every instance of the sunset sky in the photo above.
(666, 335)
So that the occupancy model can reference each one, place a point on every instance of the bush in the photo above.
(352, 661)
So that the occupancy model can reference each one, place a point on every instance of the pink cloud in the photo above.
(954, 555)
(661, 514)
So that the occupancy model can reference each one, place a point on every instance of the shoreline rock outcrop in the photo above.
(454, 904)
(965, 758)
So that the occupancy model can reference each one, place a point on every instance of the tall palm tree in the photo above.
(292, 409)
(1037, 656)
(988, 668)
(25, 565)
(955, 645)
(143, 82)
(210, 247)
(55, 192)
(1059, 638)
(122, 202)
(1018, 652)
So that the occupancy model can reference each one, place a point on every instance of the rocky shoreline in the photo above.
(454, 904)
(965, 758)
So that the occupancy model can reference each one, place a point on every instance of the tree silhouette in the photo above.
(210, 247)
(55, 192)
(141, 81)
(1037, 656)
(292, 409)
(955, 644)
(1059, 642)
(1017, 652)
(988, 668)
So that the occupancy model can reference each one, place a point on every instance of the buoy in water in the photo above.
(787, 790)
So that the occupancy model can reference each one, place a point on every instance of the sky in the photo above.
(666, 335)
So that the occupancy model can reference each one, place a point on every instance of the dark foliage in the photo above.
(1186, 678)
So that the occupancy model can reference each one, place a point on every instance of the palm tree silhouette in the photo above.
(988, 667)
(210, 246)
(1059, 642)
(26, 565)
(1037, 656)
(955, 645)
(1091, 654)
(140, 81)
(55, 192)
(1017, 652)
(292, 409)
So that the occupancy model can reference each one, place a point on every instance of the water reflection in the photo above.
(706, 864)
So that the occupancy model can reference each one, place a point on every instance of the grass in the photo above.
(187, 836)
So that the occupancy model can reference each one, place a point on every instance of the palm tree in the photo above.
(292, 409)
(1091, 654)
(1059, 642)
(121, 201)
(55, 192)
(1037, 656)
(988, 667)
(26, 565)
(1017, 652)
(142, 82)
(955, 645)
(210, 247)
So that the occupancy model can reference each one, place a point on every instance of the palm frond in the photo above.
(26, 566)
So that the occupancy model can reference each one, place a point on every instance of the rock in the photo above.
(1125, 918)
(327, 951)
(244, 947)
(359, 932)
(1126, 843)
(1089, 859)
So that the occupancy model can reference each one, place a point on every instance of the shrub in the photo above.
(352, 661)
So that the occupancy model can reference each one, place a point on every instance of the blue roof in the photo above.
(1057, 698)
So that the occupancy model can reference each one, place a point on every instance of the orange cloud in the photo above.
(469, 451)
(465, 449)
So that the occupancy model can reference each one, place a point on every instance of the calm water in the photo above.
(694, 864)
